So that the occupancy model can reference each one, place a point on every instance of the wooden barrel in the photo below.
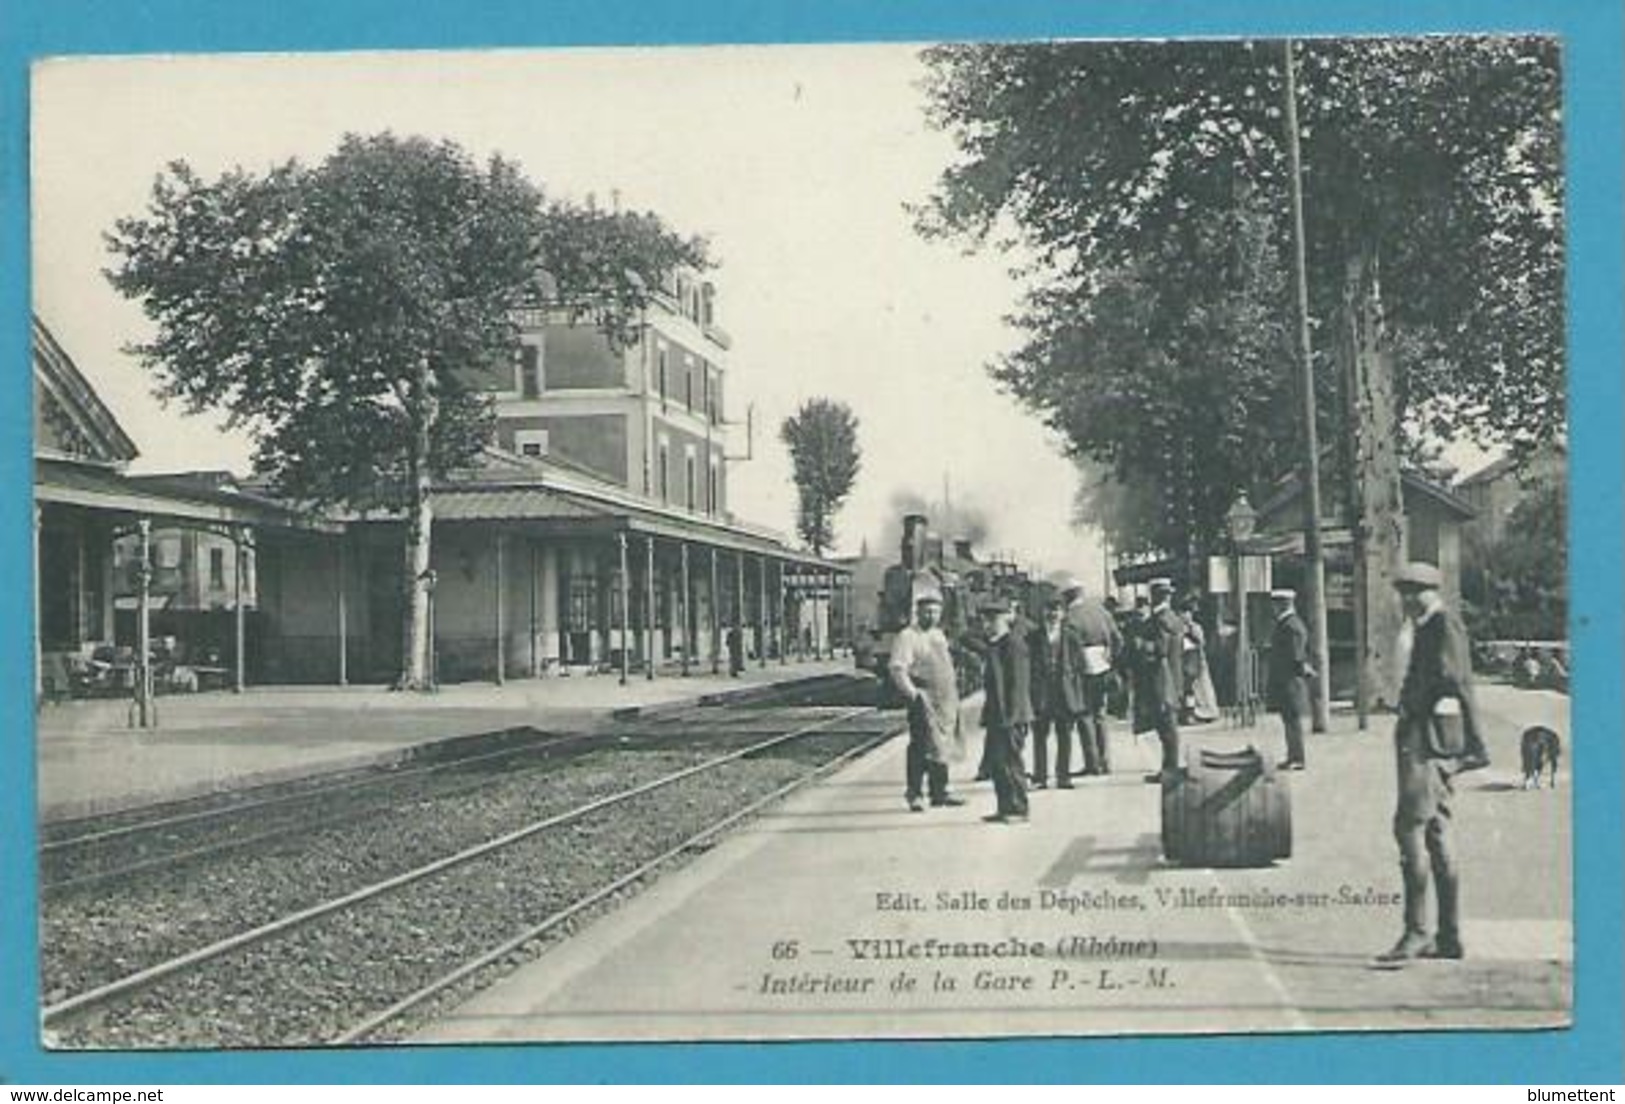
(1228, 808)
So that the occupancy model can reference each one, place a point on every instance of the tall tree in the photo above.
(340, 313)
(1175, 376)
(1433, 200)
(1515, 588)
(1437, 158)
(823, 440)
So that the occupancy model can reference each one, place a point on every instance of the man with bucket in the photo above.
(1437, 737)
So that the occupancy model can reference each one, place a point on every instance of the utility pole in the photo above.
(1316, 562)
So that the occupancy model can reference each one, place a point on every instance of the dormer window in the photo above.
(530, 442)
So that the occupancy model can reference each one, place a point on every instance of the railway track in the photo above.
(167, 910)
(343, 967)
(98, 856)
(97, 852)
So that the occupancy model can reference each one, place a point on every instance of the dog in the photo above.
(1542, 748)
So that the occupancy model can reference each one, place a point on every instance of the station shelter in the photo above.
(539, 571)
(541, 568)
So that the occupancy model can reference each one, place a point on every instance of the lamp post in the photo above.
(1239, 520)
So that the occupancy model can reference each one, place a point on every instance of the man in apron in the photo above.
(922, 669)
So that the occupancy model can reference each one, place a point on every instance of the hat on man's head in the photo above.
(1418, 576)
(1161, 583)
(993, 603)
(1285, 594)
(926, 589)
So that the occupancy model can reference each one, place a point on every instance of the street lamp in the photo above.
(1239, 521)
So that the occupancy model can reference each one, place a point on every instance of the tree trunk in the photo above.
(417, 642)
(1377, 511)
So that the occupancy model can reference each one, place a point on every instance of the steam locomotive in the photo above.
(928, 562)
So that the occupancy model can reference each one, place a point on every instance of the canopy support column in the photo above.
(239, 662)
(649, 605)
(716, 615)
(737, 661)
(143, 628)
(762, 619)
(531, 630)
(687, 609)
(626, 605)
(501, 612)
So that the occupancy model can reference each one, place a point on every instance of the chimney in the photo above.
(913, 551)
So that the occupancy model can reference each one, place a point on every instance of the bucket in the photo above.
(1228, 808)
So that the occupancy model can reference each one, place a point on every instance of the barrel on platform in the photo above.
(1227, 808)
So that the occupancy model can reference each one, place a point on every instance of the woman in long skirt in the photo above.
(1201, 703)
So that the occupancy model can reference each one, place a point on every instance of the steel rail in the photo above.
(291, 799)
(606, 738)
(607, 733)
(686, 711)
(149, 976)
(174, 858)
(379, 1019)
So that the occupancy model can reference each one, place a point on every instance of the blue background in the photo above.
(1592, 34)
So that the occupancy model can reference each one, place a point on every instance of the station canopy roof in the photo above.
(548, 498)
(166, 499)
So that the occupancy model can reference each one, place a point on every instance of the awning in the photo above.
(65, 483)
(555, 511)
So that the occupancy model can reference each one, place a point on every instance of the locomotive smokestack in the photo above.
(913, 551)
(962, 547)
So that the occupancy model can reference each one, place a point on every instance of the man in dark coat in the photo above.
(1159, 681)
(1055, 653)
(1286, 684)
(1437, 737)
(1102, 643)
(1006, 709)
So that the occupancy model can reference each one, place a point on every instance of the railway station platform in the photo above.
(840, 914)
(89, 759)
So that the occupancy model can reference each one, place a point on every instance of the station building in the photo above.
(593, 534)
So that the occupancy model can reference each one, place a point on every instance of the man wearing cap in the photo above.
(922, 669)
(1006, 708)
(1437, 737)
(1287, 678)
(1102, 644)
(1159, 681)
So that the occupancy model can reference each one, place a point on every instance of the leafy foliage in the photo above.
(1176, 377)
(346, 313)
(1516, 588)
(1148, 182)
(305, 301)
(823, 440)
